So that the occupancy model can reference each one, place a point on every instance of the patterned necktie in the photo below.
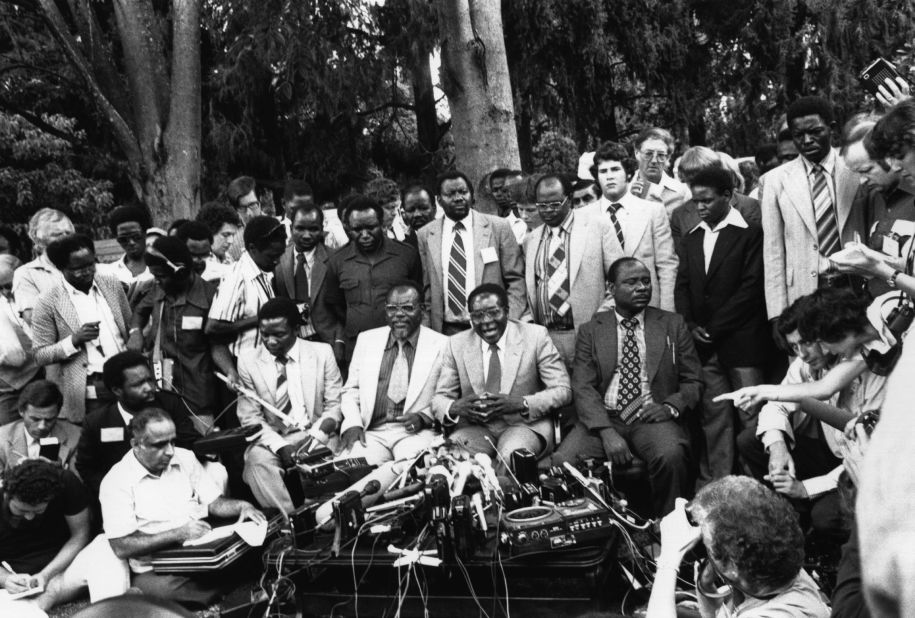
(557, 274)
(630, 367)
(827, 227)
(457, 273)
(494, 376)
(400, 377)
(282, 386)
(301, 277)
(614, 207)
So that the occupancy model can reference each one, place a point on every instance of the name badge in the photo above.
(489, 255)
(90, 392)
(191, 322)
(903, 227)
(49, 441)
(112, 434)
(890, 246)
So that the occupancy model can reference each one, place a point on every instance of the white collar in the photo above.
(467, 222)
(72, 291)
(502, 343)
(637, 317)
(828, 163)
(127, 416)
(732, 218)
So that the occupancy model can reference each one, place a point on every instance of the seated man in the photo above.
(636, 374)
(44, 538)
(156, 497)
(796, 446)
(105, 435)
(39, 432)
(754, 545)
(299, 378)
(500, 381)
(386, 402)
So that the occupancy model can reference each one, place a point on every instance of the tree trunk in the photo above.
(427, 132)
(476, 81)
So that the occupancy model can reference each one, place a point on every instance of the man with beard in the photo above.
(636, 377)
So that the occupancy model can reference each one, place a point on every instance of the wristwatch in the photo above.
(675, 413)
(526, 412)
(892, 280)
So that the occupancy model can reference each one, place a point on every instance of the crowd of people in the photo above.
(699, 318)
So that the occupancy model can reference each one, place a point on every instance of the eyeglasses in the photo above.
(395, 309)
(129, 238)
(494, 314)
(551, 205)
(655, 154)
(250, 205)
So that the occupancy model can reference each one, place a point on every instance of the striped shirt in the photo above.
(240, 295)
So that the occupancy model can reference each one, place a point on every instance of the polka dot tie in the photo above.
(630, 367)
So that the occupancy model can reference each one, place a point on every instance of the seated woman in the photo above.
(755, 549)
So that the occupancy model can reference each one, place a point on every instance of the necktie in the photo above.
(827, 227)
(557, 275)
(614, 207)
(282, 386)
(494, 376)
(301, 278)
(457, 273)
(400, 377)
(630, 367)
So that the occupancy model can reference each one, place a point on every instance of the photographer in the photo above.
(755, 548)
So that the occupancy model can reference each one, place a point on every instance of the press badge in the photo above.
(112, 434)
(489, 255)
(191, 322)
(90, 392)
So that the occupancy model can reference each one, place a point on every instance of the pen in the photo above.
(6, 565)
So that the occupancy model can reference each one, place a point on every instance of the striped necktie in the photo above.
(457, 273)
(557, 273)
(827, 227)
(612, 210)
(282, 386)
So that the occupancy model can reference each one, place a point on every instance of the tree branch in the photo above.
(388, 105)
(39, 123)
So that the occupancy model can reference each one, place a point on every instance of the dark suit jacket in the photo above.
(326, 327)
(729, 301)
(685, 217)
(674, 372)
(94, 458)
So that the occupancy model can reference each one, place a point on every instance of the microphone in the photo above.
(372, 487)
(485, 463)
(409, 490)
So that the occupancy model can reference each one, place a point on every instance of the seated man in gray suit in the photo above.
(636, 373)
(387, 399)
(38, 433)
(501, 380)
(300, 379)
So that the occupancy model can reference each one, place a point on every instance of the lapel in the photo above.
(531, 249)
(578, 237)
(605, 344)
(371, 364)
(597, 210)
(514, 346)
(634, 227)
(318, 270)
(655, 343)
(726, 240)
(111, 298)
(435, 248)
(797, 189)
(66, 310)
(482, 237)
(473, 362)
(17, 442)
(846, 187)
(308, 370)
(61, 435)
(423, 360)
(287, 270)
(264, 363)
(693, 245)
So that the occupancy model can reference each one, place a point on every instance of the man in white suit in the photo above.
(811, 206)
(566, 261)
(462, 250)
(387, 398)
(501, 381)
(640, 227)
(301, 379)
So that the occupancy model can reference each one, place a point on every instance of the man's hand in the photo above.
(464, 406)
(748, 397)
(413, 423)
(17, 583)
(615, 447)
(87, 332)
(780, 459)
(499, 405)
(893, 91)
(678, 536)
(654, 413)
(787, 485)
(351, 436)
(194, 530)
(135, 341)
(701, 335)
(286, 455)
(328, 426)
(234, 381)
(249, 513)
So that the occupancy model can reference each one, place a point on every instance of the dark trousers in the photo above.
(663, 446)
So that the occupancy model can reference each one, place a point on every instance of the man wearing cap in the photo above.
(248, 285)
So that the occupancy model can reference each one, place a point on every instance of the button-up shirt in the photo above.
(829, 166)
(733, 217)
(612, 394)
(487, 353)
(241, 294)
(469, 251)
(17, 363)
(383, 410)
(93, 307)
(33, 279)
(122, 272)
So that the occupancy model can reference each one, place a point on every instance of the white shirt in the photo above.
(518, 227)
(447, 241)
(628, 203)
(309, 264)
(612, 394)
(215, 270)
(119, 269)
(33, 446)
(733, 217)
(93, 307)
(241, 294)
(829, 166)
(127, 416)
(487, 353)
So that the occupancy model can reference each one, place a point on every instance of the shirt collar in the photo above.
(732, 218)
(138, 472)
(637, 317)
(249, 270)
(127, 416)
(467, 222)
(502, 343)
(565, 226)
(828, 163)
(627, 201)
(412, 339)
(29, 439)
(72, 291)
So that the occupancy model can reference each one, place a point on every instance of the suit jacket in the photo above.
(790, 243)
(532, 368)
(357, 402)
(591, 251)
(326, 327)
(674, 371)
(13, 447)
(53, 322)
(648, 239)
(99, 447)
(319, 378)
(686, 217)
(507, 271)
(729, 300)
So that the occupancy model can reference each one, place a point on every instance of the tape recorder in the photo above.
(535, 529)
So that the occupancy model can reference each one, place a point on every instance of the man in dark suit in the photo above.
(300, 274)
(636, 375)
(416, 209)
(720, 293)
(105, 437)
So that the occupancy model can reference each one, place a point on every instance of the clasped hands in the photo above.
(482, 408)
